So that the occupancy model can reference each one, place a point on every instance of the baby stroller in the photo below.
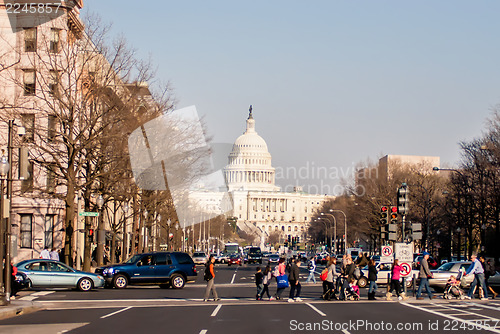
(348, 291)
(452, 289)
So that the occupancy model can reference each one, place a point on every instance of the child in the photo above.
(259, 277)
(268, 275)
(354, 286)
(453, 281)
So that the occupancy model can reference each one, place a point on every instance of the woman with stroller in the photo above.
(328, 284)
(347, 276)
(395, 277)
(372, 278)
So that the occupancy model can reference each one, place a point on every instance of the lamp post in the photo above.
(459, 231)
(125, 208)
(4, 170)
(326, 229)
(100, 233)
(176, 232)
(334, 231)
(345, 227)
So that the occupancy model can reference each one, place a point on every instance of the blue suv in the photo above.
(166, 269)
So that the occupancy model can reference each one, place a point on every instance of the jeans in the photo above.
(478, 278)
(211, 287)
(424, 283)
(265, 290)
(260, 289)
(311, 276)
(294, 285)
(395, 285)
(373, 287)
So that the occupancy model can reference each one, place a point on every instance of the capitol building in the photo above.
(258, 204)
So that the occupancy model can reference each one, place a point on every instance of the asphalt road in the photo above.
(155, 310)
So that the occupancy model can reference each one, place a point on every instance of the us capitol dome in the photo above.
(249, 163)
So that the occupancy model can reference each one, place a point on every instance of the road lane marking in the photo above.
(28, 298)
(214, 313)
(314, 308)
(234, 276)
(345, 331)
(203, 331)
(119, 311)
(486, 306)
(469, 322)
(43, 293)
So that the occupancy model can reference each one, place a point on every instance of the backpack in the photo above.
(324, 274)
(310, 265)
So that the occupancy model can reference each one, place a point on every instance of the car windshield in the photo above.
(234, 256)
(446, 266)
(133, 259)
(199, 255)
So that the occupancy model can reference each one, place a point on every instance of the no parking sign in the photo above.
(405, 269)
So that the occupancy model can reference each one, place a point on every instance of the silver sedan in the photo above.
(43, 273)
(442, 274)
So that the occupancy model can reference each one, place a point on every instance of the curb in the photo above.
(19, 308)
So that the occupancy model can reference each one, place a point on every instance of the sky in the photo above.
(332, 83)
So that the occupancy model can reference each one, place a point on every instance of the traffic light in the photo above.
(384, 218)
(388, 232)
(403, 200)
(394, 214)
(416, 231)
(91, 235)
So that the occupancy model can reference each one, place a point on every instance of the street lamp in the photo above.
(100, 232)
(177, 230)
(125, 208)
(334, 232)
(4, 170)
(345, 228)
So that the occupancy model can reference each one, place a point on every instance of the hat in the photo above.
(425, 253)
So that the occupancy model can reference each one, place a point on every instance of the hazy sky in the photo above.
(332, 83)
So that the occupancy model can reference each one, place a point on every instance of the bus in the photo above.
(231, 248)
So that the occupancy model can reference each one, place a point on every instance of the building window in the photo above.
(305, 218)
(54, 40)
(51, 128)
(295, 229)
(54, 83)
(289, 229)
(29, 81)
(29, 39)
(263, 227)
(28, 121)
(51, 178)
(302, 228)
(49, 231)
(26, 231)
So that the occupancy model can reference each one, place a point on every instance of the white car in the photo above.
(200, 257)
(384, 270)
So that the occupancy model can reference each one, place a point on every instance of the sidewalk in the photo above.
(18, 307)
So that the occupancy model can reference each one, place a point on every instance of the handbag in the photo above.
(357, 273)
(324, 274)
(282, 281)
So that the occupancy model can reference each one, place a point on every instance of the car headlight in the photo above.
(108, 271)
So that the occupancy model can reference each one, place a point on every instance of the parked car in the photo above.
(494, 281)
(431, 261)
(274, 258)
(200, 257)
(443, 273)
(222, 258)
(166, 269)
(234, 259)
(384, 270)
(42, 273)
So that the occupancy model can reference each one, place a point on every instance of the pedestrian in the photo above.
(45, 254)
(477, 270)
(372, 278)
(312, 270)
(424, 274)
(395, 277)
(54, 254)
(295, 286)
(268, 275)
(259, 278)
(347, 276)
(489, 270)
(14, 285)
(280, 270)
(331, 277)
(362, 261)
(209, 276)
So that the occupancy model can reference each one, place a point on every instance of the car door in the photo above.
(466, 281)
(163, 267)
(144, 271)
(62, 276)
(384, 270)
(39, 274)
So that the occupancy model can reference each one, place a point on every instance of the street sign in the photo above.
(89, 214)
(386, 254)
(405, 269)
(404, 252)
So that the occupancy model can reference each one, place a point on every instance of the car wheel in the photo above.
(165, 286)
(120, 281)
(362, 282)
(177, 281)
(229, 264)
(85, 284)
(409, 283)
